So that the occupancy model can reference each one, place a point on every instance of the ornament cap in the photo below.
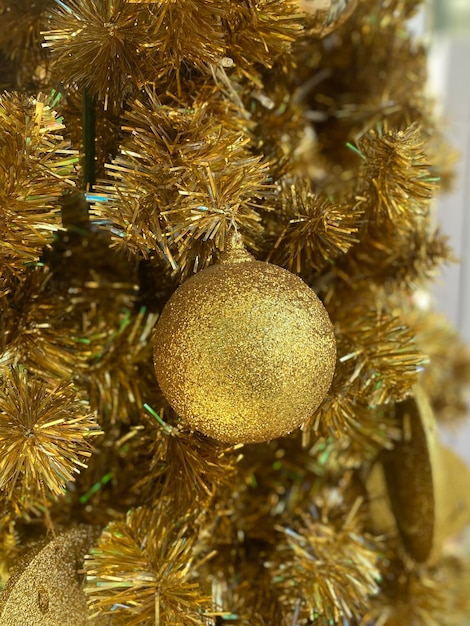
(235, 251)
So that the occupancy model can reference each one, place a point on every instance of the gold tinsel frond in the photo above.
(36, 332)
(259, 31)
(118, 46)
(113, 48)
(44, 436)
(404, 262)
(326, 572)
(398, 180)
(318, 230)
(379, 352)
(217, 200)
(187, 32)
(118, 370)
(353, 80)
(282, 133)
(35, 169)
(52, 328)
(97, 45)
(186, 467)
(250, 604)
(143, 570)
(181, 180)
(378, 363)
(61, 337)
(398, 246)
(365, 429)
(276, 482)
(7, 283)
(200, 465)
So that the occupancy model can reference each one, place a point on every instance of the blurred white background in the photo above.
(447, 25)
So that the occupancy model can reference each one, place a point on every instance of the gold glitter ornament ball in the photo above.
(244, 350)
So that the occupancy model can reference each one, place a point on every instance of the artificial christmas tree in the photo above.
(147, 149)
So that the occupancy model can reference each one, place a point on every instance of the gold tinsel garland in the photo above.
(305, 130)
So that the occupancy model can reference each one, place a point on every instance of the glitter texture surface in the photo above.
(48, 590)
(244, 351)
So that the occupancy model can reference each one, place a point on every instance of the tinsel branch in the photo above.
(44, 437)
(36, 168)
(144, 569)
(308, 133)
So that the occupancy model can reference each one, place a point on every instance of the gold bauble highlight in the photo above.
(244, 350)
